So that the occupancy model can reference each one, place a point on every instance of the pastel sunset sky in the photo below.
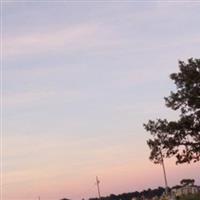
(79, 79)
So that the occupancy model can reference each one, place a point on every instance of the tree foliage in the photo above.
(65, 199)
(145, 194)
(187, 182)
(180, 138)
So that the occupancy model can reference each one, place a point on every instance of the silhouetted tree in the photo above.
(187, 182)
(64, 199)
(138, 195)
(179, 138)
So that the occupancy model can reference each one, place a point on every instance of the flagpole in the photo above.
(98, 188)
(164, 173)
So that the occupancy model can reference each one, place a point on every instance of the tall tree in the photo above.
(180, 138)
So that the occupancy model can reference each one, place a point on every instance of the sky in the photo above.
(80, 78)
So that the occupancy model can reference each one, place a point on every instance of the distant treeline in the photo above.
(139, 195)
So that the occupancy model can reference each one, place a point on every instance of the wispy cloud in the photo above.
(55, 40)
(99, 37)
(31, 98)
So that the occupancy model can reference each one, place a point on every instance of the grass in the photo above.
(190, 197)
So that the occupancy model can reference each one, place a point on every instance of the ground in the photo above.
(190, 197)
